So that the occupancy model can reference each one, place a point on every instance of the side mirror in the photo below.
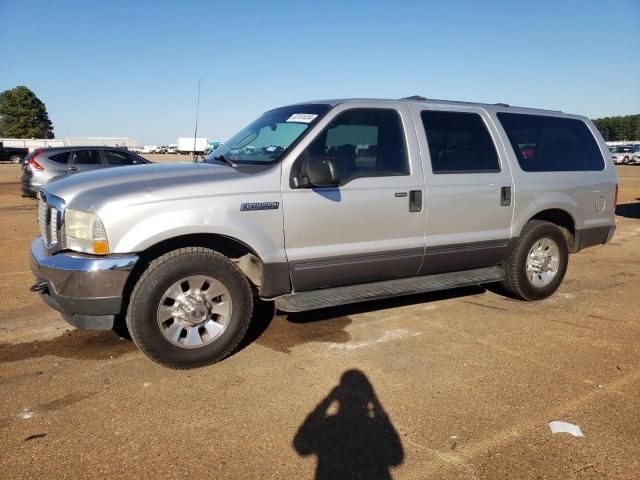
(322, 172)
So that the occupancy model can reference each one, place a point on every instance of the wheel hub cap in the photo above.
(543, 262)
(194, 311)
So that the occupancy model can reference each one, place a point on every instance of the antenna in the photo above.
(195, 133)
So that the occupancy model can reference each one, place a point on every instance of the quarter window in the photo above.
(62, 158)
(551, 144)
(363, 143)
(459, 142)
(118, 158)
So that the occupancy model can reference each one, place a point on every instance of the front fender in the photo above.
(261, 230)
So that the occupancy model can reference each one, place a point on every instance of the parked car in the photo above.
(622, 154)
(150, 149)
(12, 154)
(320, 204)
(47, 164)
(635, 155)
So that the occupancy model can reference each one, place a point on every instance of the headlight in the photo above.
(85, 233)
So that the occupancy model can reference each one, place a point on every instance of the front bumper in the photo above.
(86, 289)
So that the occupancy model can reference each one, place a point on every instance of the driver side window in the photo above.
(363, 143)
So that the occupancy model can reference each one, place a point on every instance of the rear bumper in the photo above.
(29, 187)
(29, 190)
(86, 289)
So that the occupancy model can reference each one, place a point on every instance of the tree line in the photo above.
(23, 115)
(617, 129)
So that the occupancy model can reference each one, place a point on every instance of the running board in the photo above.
(331, 297)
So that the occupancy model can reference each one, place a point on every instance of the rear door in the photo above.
(84, 161)
(469, 189)
(365, 229)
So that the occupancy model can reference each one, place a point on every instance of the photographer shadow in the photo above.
(350, 433)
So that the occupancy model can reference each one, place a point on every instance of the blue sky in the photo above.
(132, 68)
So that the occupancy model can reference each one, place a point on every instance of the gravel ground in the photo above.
(451, 385)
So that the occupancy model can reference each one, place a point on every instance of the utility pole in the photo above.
(195, 133)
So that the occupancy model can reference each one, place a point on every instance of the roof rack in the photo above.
(420, 98)
(415, 97)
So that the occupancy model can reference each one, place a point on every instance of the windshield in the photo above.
(270, 136)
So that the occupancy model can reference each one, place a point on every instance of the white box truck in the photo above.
(192, 145)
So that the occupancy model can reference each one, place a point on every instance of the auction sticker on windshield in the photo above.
(302, 117)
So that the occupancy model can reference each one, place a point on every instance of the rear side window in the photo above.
(62, 158)
(85, 157)
(551, 144)
(459, 142)
(118, 158)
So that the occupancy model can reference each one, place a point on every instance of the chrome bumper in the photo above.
(86, 289)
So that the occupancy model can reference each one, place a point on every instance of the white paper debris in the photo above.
(565, 427)
(302, 117)
(26, 414)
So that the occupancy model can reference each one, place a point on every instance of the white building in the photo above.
(32, 143)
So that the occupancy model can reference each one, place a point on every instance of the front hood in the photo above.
(143, 183)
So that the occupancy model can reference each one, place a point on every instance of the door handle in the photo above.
(505, 196)
(73, 169)
(415, 200)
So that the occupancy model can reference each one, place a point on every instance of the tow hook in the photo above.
(40, 287)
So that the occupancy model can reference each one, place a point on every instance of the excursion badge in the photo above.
(245, 207)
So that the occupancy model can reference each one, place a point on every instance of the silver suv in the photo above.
(47, 164)
(320, 204)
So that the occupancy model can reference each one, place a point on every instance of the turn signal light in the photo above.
(100, 248)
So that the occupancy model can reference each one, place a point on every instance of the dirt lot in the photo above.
(460, 384)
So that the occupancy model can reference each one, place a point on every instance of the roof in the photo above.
(428, 101)
(82, 147)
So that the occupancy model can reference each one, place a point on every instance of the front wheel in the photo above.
(538, 263)
(190, 308)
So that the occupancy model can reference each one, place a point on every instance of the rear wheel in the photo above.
(538, 263)
(190, 308)
(15, 158)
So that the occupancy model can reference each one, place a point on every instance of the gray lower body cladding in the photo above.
(590, 237)
(316, 274)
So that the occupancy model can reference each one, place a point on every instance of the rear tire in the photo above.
(15, 159)
(538, 262)
(190, 308)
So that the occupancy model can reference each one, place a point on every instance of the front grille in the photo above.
(42, 219)
(48, 222)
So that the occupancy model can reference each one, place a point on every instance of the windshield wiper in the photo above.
(222, 158)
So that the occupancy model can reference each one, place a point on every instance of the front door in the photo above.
(371, 226)
(470, 196)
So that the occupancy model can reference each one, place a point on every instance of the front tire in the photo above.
(190, 308)
(538, 263)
